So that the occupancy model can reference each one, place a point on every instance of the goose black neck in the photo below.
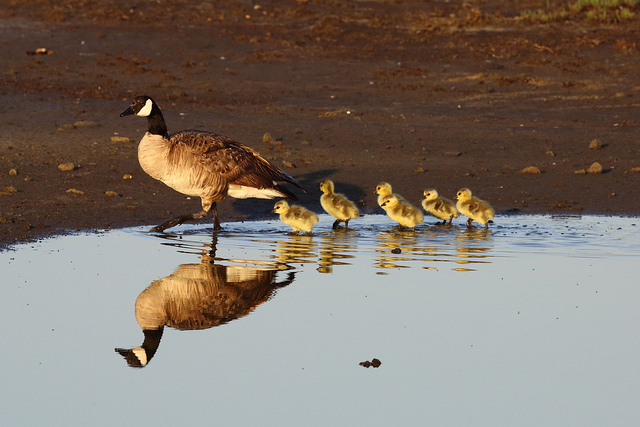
(157, 126)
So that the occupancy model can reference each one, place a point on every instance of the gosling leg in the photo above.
(469, 221)
(336, 224)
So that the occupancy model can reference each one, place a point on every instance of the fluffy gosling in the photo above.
(403, 212)
(476, 209)
(337, 204)
(439, 207)
(298, 217)
(384, 190)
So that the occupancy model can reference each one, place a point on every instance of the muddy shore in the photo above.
(419, 94)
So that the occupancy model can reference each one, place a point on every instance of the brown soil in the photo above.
(420, 94)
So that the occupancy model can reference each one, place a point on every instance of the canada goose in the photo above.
(439, 207)
(476, 209)
(403, 212)
(383, 190)
(195, 297)
(203, 164)
(298, 217)
(337, 204)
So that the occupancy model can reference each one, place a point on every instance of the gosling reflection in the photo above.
(474, 246)
(333, 254)
(198, 296)
(297, 249)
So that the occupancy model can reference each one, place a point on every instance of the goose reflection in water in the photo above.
(199, 296)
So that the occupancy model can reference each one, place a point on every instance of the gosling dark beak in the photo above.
(127, 112)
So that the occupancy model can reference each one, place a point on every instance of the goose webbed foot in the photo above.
(336, 224)
(177, 221)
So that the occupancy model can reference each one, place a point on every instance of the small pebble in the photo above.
(595, 144)
(375, 363)
(531, 170)
(551, 153)
(595, 168)
(127, 176)
(8, 191)
(120, 139)
(288, 164)
(85, 124)
(268, 139)
(111, 194)
(75, 191)
(13, 172)
(66, 167)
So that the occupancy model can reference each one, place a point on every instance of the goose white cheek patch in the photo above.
(146, 110)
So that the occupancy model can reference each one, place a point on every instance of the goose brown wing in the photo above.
(235, 162)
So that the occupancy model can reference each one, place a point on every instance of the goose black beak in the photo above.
(127, 112)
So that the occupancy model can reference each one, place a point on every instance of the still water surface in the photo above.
(533, 322)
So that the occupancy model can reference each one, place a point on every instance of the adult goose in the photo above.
(203, 164)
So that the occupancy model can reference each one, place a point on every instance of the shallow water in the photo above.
(533, 322)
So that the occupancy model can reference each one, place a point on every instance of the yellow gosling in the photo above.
(403, 212)
(476, 209)
(337, 204)
(439, 207)
(298, 217)
(384, 190)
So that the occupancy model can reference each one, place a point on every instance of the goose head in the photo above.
(140, 106)
(390, 201)
(281, 207)
(327, 186)
(430, 194)
(463, 194)
(383, 188)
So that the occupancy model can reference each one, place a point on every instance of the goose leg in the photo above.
(336, 224)
(216, 221)
(469, 222)
(179, 220)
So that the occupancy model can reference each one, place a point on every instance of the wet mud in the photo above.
(420, 94)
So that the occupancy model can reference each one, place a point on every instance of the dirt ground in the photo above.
(421, 94)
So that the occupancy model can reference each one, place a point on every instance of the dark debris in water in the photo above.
(375, 363)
